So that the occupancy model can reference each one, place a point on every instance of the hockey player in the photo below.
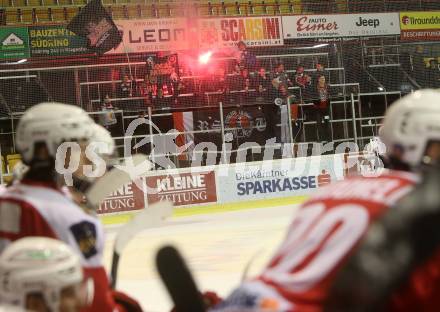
(38, 206)
(329, 226)
(43, 274)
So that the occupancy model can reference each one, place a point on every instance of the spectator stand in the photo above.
(58, 11)
(352, 87)
(98, 84)
(18, 91)
(212, 98)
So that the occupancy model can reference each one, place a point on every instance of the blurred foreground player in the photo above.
(328, 227)
(42, 274)
(397, 265)
(38, 204)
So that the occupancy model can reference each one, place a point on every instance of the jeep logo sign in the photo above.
(368, 22)
(340, 25)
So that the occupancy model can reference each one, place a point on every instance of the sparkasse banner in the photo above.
(340, 25)
(228, 31)
(420, 25)
(274, 179)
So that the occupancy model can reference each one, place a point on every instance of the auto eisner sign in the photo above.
(340, 25)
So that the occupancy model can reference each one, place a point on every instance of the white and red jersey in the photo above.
(39, 209)
(324, 232)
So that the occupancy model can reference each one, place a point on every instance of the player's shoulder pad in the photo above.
(85, 234)
(10, 212)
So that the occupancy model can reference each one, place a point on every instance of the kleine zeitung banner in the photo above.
(127, 198)
(340, 25)
(182, 189)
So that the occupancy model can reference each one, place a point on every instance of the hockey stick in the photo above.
(179, 281)
(150, 217)
(147, 218)
(249, 264)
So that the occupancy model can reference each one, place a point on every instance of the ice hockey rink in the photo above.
(218, 247)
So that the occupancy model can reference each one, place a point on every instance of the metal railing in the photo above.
(354, 120)
(352, 107)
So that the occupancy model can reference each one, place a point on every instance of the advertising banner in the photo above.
(340, 25)
(247, 123)
(227, 32)
(234, 183)
(55, 40)
(364, 163)
(272, 179)
(127, 198)
(183, 188)
(14, 42)
(153, 35)
(420, 25)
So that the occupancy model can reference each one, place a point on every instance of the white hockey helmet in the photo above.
(103, 136)
(9, 308)
(51, 123)
(40, 265)
(19, 171)
(410, 124)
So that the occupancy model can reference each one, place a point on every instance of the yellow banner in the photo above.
(419, 20)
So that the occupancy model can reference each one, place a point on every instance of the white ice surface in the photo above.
(217, 248)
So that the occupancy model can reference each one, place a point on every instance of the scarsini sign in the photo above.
(227, 32)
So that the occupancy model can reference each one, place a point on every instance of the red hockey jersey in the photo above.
(324, 232)
(35, 209)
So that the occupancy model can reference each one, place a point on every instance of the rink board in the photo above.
(119, 218)
(220, 188)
